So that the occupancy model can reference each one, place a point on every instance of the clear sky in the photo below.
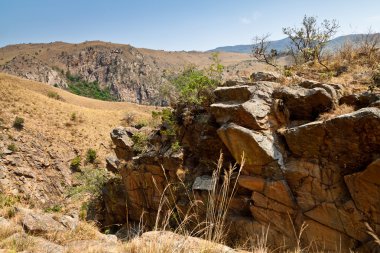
(173, 24)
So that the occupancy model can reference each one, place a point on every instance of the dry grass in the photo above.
(83, 231)
(53, 120)
(338, 110)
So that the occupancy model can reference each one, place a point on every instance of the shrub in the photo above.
(140, 141)
(75, 163)
(194, 86)
(73, 116)
(141, 124)
(18, 123)
(91, 182)
(176, 146)
(54, 95)
(12, 147)
(84, 88)
(54, 209)
(91, 155)
(169, 122)
(7, 200)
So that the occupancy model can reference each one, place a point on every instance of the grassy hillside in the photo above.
(65, 120)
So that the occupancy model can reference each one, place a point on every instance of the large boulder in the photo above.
(246, 105)
(349, 140)
(258, 148)
(36, 223)
(364, 188)
(304, 104)
(265, 76)
(121, 137)
(360, 100)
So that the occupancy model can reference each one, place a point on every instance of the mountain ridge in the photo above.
(282, 44)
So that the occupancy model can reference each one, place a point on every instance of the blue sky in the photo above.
(173, 24)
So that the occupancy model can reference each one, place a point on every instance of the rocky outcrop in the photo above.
(297, 171)
(32, 68)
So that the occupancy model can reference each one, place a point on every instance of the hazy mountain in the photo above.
(281, 45)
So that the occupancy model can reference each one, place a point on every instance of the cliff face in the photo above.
(298, 170)
(132, 74)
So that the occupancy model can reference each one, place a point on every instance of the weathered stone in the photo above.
(114, 198)
(304, 104)
(36, 223)
(279, 191)
(345, 219)
(121, 137)
(335, 90)
(69, 221)
(268, 211)
(112, 164)
(251, 114)
(338, 140)
(312, 184)
(237, 93)
(327, 239)
(265, 76)
(258, 148)
(205, 183)
(364, 188)
(252, 183)
(360, 100)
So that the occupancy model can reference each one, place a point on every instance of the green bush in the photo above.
(91, 155)
(54, 95)
(18, 123)
(91, 182)
(7, 200)
(84, 88)
(194, 86)
(73, 116)
(140, 141)
(12, 147)
(54, 209)
(176, 146)
(75, 163)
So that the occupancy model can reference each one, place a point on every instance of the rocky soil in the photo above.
(304, 180)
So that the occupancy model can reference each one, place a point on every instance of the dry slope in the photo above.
(55, 131)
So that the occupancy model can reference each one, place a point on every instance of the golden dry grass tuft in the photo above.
(83, 231)
(338, 110)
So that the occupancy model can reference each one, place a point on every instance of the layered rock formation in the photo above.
(318, 177)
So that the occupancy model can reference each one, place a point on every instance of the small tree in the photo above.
(309, 40)
(260, 50)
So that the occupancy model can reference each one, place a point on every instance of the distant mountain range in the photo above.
(283, 44)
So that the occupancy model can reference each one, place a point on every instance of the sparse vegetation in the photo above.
(75, 163)
(91, 182)
(309, 40)
(12, 147)
(57, 208)
(140, 141)
(54, 95)
(90, 155)
(89, 89)
(18, 123)
(195, 86)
